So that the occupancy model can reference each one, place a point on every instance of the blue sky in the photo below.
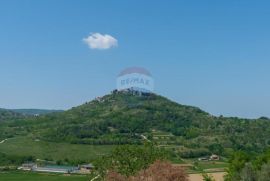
(210, 54)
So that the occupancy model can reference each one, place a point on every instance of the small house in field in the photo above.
(214, 157)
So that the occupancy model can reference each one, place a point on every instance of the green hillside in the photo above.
(131, 117)
(121, 117)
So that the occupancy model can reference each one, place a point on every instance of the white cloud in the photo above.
(99, 41)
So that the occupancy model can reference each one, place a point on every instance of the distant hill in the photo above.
(130, 117)
(35, 111)
(7, 115)
(15, 114)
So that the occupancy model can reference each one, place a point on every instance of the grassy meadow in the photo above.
(25, 146)
(29, 176)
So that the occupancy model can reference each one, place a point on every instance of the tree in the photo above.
(264, 173)
(244, 167)
(160, 170)
(207, 177)
(236, 163)
(216, 148)
(248, 173)
(128, 160)
(262, 159)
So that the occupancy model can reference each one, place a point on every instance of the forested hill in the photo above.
(124, 115)
(131, 117)
(20, 114)
(7, 115)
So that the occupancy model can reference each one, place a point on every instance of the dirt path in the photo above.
(198, 177)
(3, 141)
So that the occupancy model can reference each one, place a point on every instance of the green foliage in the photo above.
(262, 159)
(207, 177)
(248, 173)
(264, 173)
(246, 167)
(128, 160)
(236, 164)
(192, 133)
(14, 159)
(216, 148)
(195, 153)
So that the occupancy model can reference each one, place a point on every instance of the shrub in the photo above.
(160, 170)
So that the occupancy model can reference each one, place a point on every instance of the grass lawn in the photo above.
(24, 146)
(27, 176)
